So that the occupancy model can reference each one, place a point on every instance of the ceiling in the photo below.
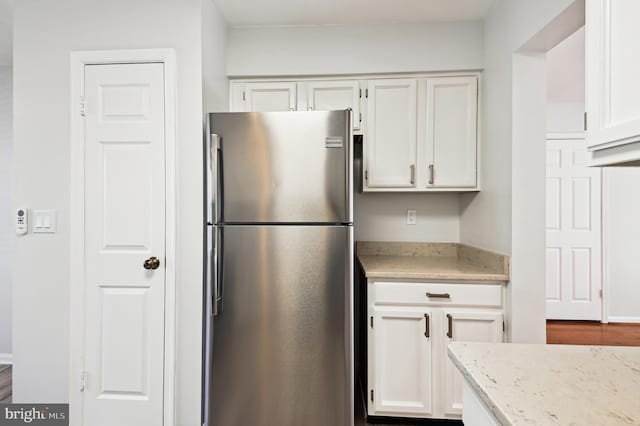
(6, 32)
(326, 12)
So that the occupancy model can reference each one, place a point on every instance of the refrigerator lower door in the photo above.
(282, 345)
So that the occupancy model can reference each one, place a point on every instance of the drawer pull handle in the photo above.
(439, 295)
(450, 328)
(426, 327)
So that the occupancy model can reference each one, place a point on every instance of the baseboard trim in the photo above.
(633, 320)
(6, 359)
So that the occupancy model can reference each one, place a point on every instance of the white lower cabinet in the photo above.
(409, 372)
(464, 325)
(402, 362)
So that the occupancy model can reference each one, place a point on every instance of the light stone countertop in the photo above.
(431, 261)
(553, 384)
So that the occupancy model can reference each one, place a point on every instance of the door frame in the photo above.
(79, 60)
(604, 284)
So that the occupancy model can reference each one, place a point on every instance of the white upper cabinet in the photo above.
(270, 96)
(451, 131)
(420, 133)
(390, 146)
(613, 86)
(335, 95)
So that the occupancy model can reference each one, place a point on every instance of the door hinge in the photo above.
(371, 395)
(601, 293)
(366, 93)
(366, 175)
(585, 121)
(371, 322)
(361, 117)
(503, 326)
(83, 376)
(82, 105)
(360, 91)
(244, 98)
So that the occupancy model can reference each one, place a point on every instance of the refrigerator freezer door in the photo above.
(282, 346)
(285, 167)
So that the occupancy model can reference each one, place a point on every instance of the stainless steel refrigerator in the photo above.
(279, 269)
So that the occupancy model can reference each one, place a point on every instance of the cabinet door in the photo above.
(452, 121)
(465, 326)
(335, 95)
(390, 145)
(270, 96)
(400, 373)
(613, 87)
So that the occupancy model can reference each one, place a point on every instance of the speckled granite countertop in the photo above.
(431, 261)
(553, 384)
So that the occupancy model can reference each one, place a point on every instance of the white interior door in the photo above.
(124, 226)
(573, 223)
(402, 378)
(270, 96)
(335, 95)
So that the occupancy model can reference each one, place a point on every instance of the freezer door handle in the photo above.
(213, 179)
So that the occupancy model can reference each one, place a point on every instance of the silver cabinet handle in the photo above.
(450, 326)
(426, 327)
(413, 174)
(431, 174)
(439, 295)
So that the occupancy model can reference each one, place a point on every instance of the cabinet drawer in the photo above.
(434, 294)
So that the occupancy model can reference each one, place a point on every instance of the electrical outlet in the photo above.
(411, 217)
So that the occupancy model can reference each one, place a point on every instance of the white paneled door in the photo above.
(573, 224)
(124, 232)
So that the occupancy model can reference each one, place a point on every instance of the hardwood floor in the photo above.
(592, 333)
(5, 384)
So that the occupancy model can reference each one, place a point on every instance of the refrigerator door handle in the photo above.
(217, 271)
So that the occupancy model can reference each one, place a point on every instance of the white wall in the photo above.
(337, 49)
(7, 232)
(565, 85)
(363, 49)
(44, 34)
(486, 217)
(383, 217)
(621, 233)
(214, 67)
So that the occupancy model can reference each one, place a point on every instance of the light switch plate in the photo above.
(43, 222)
(411, 217)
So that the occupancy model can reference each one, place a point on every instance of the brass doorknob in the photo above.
(151, 263)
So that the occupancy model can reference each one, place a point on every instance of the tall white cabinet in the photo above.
(410, 325)
(612, 86)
